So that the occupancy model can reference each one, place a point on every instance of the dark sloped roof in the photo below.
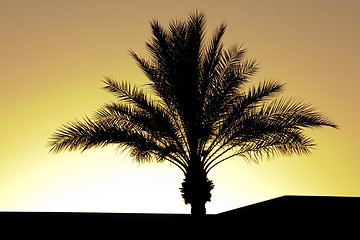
(291, 206)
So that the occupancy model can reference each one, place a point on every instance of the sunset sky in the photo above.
(54, 53)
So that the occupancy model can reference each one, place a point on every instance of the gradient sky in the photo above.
(53, 55)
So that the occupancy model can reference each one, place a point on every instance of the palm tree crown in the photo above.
(200, 112)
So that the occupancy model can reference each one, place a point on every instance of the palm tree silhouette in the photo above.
(200, 112)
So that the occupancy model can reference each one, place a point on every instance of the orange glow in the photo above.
(54, 53)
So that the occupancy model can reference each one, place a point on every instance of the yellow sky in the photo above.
(54, 53)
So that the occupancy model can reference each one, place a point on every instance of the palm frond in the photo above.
(232, 74)
(267, 129)
(128, 92)
(232, 110)
(82, 135)
(195, 35)
(86, 134)
(256, 96)
(211, 58)
(255, 148)
(158, 122)
(158, 46)
(294, 112)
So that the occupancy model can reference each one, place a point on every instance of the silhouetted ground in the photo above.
(294, 215)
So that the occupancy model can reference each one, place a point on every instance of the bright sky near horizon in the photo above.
(53, 55)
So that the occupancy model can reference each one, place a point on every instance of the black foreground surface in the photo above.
(294, 215)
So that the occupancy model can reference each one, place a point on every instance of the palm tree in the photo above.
(200, 112)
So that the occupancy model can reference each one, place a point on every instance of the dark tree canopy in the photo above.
(199, 109)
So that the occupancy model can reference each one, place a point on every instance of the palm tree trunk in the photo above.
(198, 208)
(196, 189)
